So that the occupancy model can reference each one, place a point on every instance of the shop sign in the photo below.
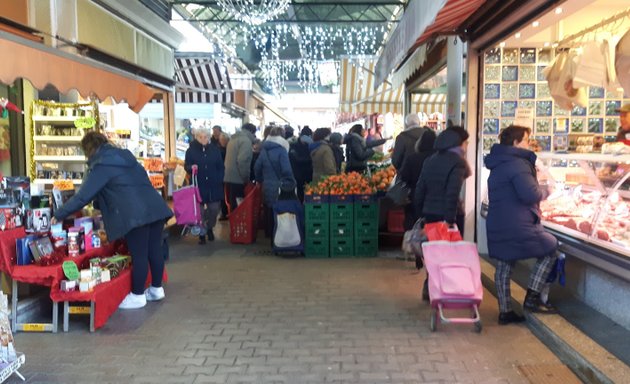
(524, 117)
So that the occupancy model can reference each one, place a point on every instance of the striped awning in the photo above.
(428, 103)
(201, 80)
(418, 26)
(357, 93)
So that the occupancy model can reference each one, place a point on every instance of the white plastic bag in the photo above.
(590, 65)
(287, 232)
(622, 62)
(559, 76)
(179, 176)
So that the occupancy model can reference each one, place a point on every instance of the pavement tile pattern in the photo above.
(236, 314)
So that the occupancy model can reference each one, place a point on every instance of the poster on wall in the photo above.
(524, 117)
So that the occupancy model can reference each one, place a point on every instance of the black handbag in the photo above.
(399, 193)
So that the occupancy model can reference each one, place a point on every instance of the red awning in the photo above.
(448, 20)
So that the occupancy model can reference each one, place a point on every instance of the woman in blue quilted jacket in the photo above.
(513, 226)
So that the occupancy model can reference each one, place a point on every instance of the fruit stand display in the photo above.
(341, 217)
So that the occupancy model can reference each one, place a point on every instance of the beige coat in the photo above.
(323, 161)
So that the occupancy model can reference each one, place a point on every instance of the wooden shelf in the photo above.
(58, 138)
(56, 119)
(59, 158)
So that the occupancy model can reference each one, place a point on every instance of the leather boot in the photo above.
(533, 303)
(202, 240)
(510, 317)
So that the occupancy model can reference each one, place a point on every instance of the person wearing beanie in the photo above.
(238, 159)
(358, 151)
(440, 183)
(406, 141)
(336, 139)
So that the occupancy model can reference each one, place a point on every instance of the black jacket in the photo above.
(358, 152)
(210, 167)
(405, 146)
(441, 180)
(300, 158)
(339, 158)
(412, 165)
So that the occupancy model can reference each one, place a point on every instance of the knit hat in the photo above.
(336, 138)
(412, 121)
(463, 134)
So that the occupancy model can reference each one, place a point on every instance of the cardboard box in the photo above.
(40, 220)
(68, 285)
(23, 251)
(41, 247)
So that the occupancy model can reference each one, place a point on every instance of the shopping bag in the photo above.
(187, 204)
(622, 62)
(399, 193)
(287, 231)
(590, 65)
(559, 77)
(441, 231)
(179, 176)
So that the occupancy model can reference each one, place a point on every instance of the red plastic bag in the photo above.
(440, 231)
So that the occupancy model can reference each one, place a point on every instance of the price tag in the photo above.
(33, 327)
(70, 270)
(79, 310)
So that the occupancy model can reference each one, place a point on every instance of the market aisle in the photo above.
(237, 314)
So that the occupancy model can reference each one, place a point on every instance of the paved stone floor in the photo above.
(238, 314)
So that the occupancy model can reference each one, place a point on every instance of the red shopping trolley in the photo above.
(244, 219)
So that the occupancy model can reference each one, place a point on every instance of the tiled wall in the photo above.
(513, 78)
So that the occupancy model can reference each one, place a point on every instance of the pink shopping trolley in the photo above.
(454, 281)
(187, 207)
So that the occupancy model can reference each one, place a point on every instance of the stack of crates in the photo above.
(365, 226)
(317, 218)
(341, 226)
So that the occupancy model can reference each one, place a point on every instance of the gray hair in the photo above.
(202, 130)
(224, 136)
(276, 131)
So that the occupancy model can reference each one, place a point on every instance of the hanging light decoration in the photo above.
(254, 12)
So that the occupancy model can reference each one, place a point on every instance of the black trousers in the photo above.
(145, 245)
(234, 191)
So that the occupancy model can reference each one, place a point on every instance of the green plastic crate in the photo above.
(340, 229)
(342, 247)
(366, 229)
(366, 211)
(316, 212)
(341, 212)
(317, 230)
(317, 248)
(366, 247)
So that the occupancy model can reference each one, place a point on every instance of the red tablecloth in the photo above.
(106, 296)
(48, 276)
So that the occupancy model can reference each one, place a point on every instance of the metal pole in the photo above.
(454, 76)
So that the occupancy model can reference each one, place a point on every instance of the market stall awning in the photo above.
(422, 21)
(428, 103)
(357, 93)
(201, 80)
(43, 65)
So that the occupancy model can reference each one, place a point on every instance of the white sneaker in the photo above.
(154, 294)
(133, 301)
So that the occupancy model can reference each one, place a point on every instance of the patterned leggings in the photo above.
(537, 278)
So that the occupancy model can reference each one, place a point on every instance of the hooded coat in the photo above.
(300, 158)
(441, 180)
(358, 152)
(210, 170)
(238, 157)
(405, 145)
(273, 169)
(323, 157)
(121, 189)
(513, 224)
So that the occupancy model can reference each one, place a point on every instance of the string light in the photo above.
(254, 12)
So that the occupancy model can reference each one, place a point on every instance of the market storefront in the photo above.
(574, 133)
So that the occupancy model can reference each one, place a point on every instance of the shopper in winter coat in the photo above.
(406, 141)
(224, 139)
(273, 170)
(322, 155)
(301, 163)
(210, 171)
(238, 159)
(335, 144)
(437, 192)
(410, 171)
(358, 152)
(513, 224)
(131, 208)
(441, 179)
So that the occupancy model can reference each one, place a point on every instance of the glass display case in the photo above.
(589, 198)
